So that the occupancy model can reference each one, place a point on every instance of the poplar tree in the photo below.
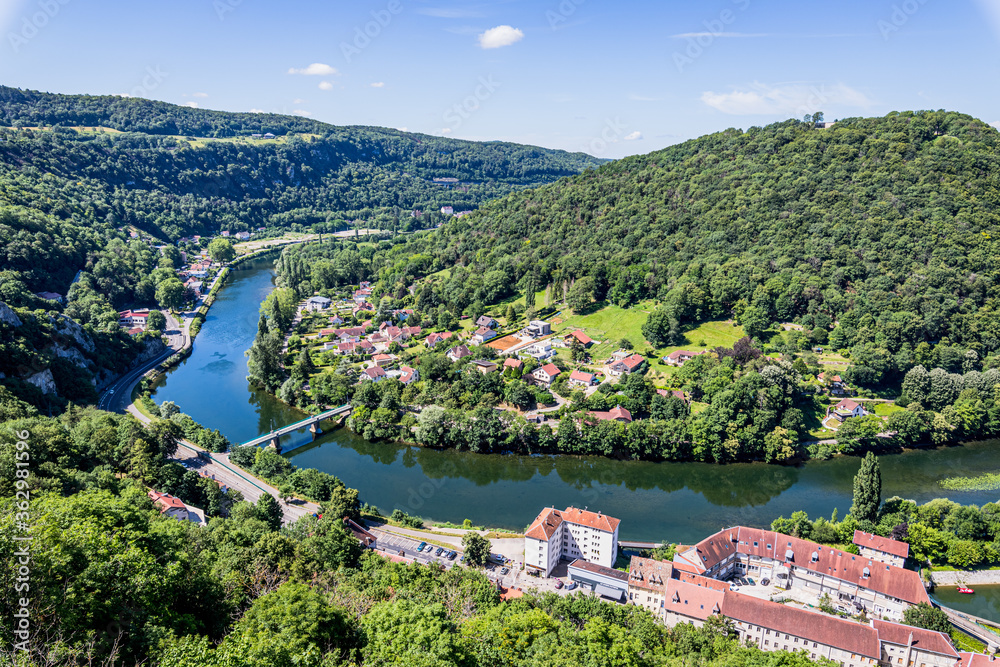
(867, 490)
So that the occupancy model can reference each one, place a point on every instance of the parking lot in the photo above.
(397, 543)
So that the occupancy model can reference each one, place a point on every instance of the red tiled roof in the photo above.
(649, 573)
(693, 601)
(632, 361)
(582, 337)
(677, 354)
(551, 369)
(831, 631)
(879, 543)
(617, 413)
(513, 363)
(699, 580)
(545, 525)
(508, 594)
(846, 404)
(977, 660)
(882, 578)
(925, 640)
(580, 376)
(375, 372)
(594, 520)
(166, 501)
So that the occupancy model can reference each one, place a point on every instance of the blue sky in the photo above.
(608, 78)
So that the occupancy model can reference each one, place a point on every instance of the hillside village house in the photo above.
(629, 364)
(435, 338)
(571, 534)
(483, 366)
(604, 581)
(581, 379)
(540, 350)
(513, 363)
(679, 357)
(408, 375)
(487, 321)
(846, 409)
(882, 590)
(482, 335)
(538, 328)
(317, 303)
(243, 236)
(373, 373)
(882, 549)
(578, 335)
(133, 318)
(546, 374)
(384, 360)
(837, 385)
(617, 414)
(169, 505)
(447, 210)
(458, 352)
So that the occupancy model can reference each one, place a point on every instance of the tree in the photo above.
(156, 321)
(657, 327)
(477, 549)
(581, 294)
(754, 321)
(221, 250)
(925, 616)
(269, 511)
(867, 490)
(170, 293)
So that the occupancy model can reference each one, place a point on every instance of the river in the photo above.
(677, 502)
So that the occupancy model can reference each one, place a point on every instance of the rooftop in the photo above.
(883, 544)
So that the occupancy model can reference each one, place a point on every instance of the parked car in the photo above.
(751, 581)
(504, 570)
(559, 583)
(734, 587)
(421, 547)
(765, 581)
(571, 585)
(439, 551)
(452, 554)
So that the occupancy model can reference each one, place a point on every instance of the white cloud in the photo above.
(789, 98)
(298, 100)
(301, 112)
(316, 69)
(325, 85)
(502, 35)
(257, 111)
(199, 94)
(633, 136)
(377, 84)
(402, 129)
(445, 130)
(996, 124)
(193, 105)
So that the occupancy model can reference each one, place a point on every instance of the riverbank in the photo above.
(965, 577)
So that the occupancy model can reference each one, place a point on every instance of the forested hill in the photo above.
(174, 171)
(887, 225)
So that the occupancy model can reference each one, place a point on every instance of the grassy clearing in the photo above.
(609, 325)
(884, 409)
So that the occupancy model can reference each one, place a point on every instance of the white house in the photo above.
(243, 236)
(134, 318)
(546, 374)
(317, 303)
(169, 505)
(846, 409)
(540, 350)
(538, 328)
(571, 534)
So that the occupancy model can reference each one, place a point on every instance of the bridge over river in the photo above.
(312, 422)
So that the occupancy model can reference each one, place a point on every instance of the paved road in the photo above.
(220, 469)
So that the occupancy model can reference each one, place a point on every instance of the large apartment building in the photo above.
(881, 589)
(570, 534)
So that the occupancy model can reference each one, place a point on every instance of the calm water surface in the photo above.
(678, 502)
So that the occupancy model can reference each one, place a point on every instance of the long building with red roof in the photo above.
(881, 589)
(675, 596)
